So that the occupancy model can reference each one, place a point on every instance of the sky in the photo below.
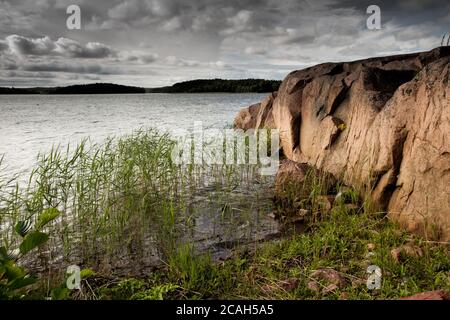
(152, 43)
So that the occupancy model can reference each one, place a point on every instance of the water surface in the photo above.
(30, 124)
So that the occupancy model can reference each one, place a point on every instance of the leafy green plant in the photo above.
(14, 277)
(194, 271)
(156, 293)
(136, 289)
(63, 292)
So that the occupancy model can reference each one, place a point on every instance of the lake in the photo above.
(30, 124)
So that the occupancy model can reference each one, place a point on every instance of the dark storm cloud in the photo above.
(140, 40)
(210, 16)
(402, 12)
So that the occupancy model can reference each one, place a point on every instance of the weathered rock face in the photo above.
(257, 116)
(381, 122)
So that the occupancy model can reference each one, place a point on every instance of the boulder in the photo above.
(257, 116)
(430, 295)
(246, 118)
(380, 123)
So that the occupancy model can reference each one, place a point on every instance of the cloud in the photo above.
(252, 50)
(180, 62)
(25, 46)
(3, 46)
(172, 25)
(73, 49)
(240, 22)
(137, 11)
(12, 19)
(55, 66)
(45, 46)
(220, 65)
(168, 15)
(445, 19)
(303, 35)
(138, 56)
(7, 63)
(127, 10)
(27, 74)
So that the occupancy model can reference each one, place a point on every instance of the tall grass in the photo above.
(116, 199)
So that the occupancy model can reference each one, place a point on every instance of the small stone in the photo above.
(330, 288)
(330, 276)
(344, 296)
(303, 212)
(289, 284)
(345, 189)
(325, 202)
(267, 288)
(408, 250)
(356, 283)
(272, 215)
(296, 220)
(313, 286)
(342, 192)
(351, 207)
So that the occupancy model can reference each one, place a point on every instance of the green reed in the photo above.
(111, 195)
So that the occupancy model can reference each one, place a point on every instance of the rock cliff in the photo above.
(381, 122)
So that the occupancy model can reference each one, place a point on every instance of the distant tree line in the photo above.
(220, 85)
(96, 88)
(194, 86)
(17, 91)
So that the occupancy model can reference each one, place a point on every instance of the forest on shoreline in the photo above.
(194, 86)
